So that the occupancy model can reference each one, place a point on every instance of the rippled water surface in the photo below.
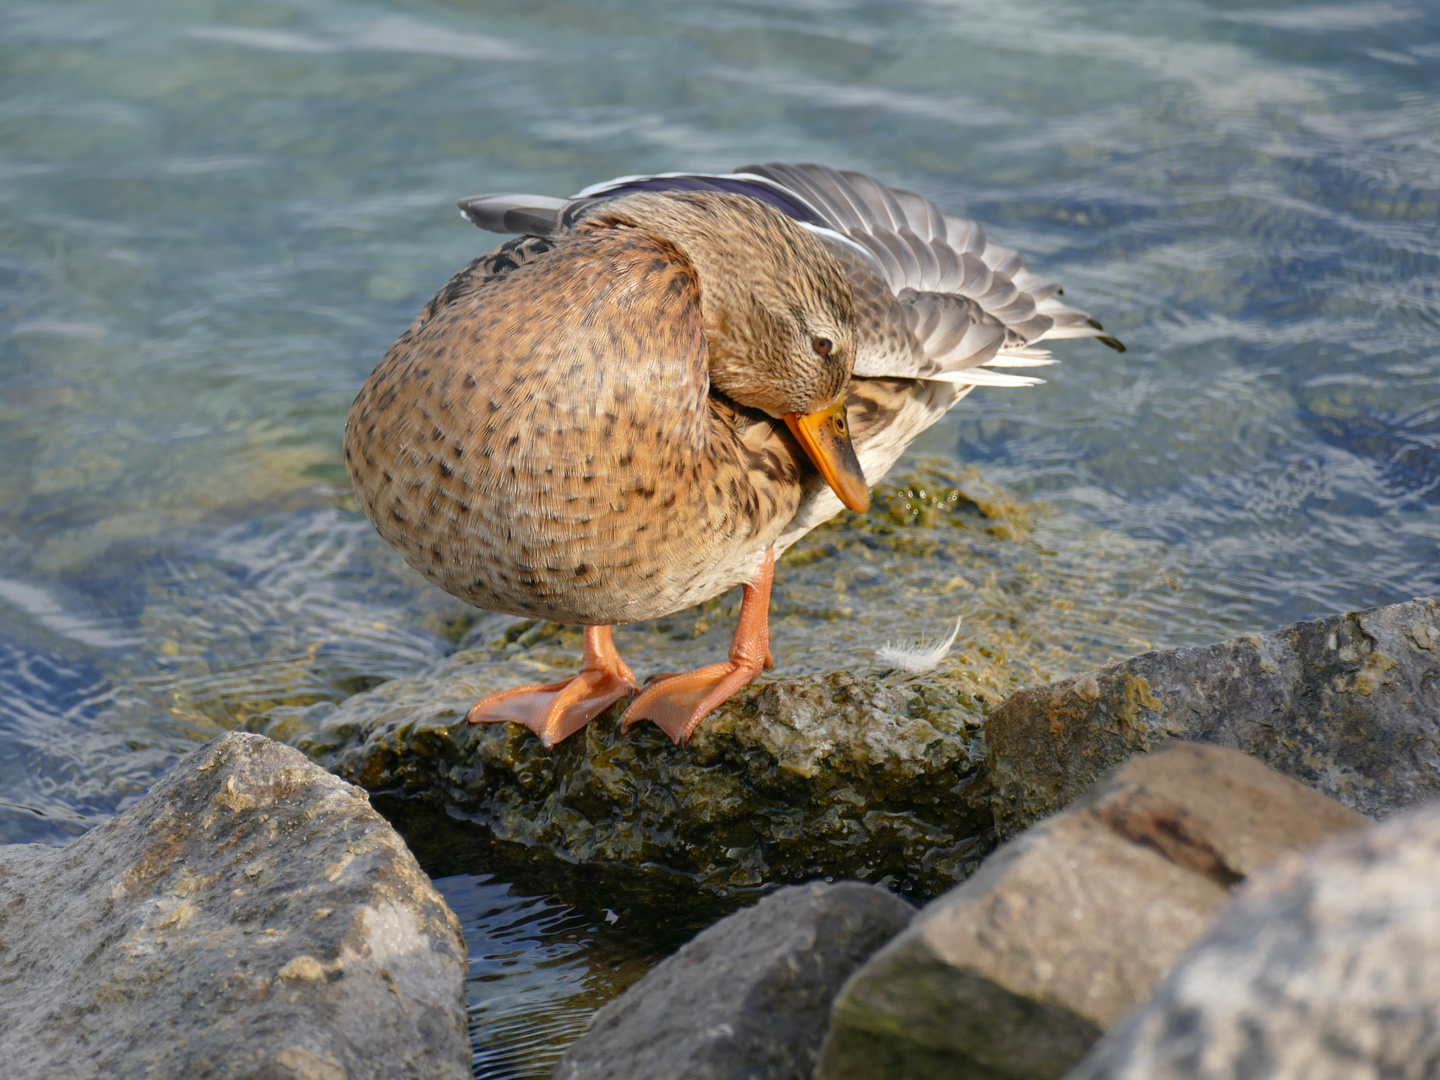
(215, 216)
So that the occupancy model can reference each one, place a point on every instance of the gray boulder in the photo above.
(1068, 928)
(1327, 967)
(1348, 705)
(748, 998)
(250, 917)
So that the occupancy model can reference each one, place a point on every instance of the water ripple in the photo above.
(217, 219)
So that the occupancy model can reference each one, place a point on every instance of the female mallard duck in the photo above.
(662, 386)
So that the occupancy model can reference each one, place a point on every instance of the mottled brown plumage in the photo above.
(600, 425)
(568, 460)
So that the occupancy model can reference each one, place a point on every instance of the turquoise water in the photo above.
(214, 217)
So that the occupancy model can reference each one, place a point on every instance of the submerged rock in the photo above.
(1327, 967)
(840, 775)
(1349, 705)
(1068, 928)
(250, 916)
(748, 998)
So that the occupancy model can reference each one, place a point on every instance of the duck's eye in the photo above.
(823, 345)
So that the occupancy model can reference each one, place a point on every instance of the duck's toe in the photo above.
(677, 703)
(557, 710)
(554, 711)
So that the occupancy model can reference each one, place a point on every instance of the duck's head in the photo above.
(779, 316)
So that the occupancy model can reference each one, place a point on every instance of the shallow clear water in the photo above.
(548, 946)
(215, 216)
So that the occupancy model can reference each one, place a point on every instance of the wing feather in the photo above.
(937, 297)
(939, 306)
(537, 215)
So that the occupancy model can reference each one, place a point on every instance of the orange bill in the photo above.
(825, 436)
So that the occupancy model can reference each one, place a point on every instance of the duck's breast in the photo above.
(544, 442)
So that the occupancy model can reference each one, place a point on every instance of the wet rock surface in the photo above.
(748, 998)
(1326, 967)
(1066, 929)
(251, 916)
(1349, 705)
(836, 775)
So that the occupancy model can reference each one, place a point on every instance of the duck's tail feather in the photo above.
(534, 215)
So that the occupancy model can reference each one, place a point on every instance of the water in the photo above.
(215, 216)
(547, 948)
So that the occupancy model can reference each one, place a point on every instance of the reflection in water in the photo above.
(547, 947)
(215, 215)
(539, 969)
(530, 962)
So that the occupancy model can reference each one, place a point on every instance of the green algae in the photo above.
(791, 780)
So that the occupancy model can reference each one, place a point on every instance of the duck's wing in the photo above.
(535, 215)
(938, 300)
(939, 306)
(542, 215)
(927, 259)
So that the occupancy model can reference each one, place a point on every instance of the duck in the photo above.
(659, 385)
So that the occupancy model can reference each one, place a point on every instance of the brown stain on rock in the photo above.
(1137, 696)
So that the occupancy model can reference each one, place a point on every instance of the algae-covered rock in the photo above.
(1348, 704)
(843, 775)
(865, 774)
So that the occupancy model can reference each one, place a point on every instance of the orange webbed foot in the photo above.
(557, 710)
(677, 703)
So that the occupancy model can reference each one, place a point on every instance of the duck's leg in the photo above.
(557, 710)
(677, 703)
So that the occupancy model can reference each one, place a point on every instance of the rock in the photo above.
(1326, 967)
(1216, 811)
(748, 998)
(1066, 929)
(802, 775)
(251, 916)
(840, 775)
(1348, 705)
